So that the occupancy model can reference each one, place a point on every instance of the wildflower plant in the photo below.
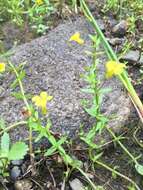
(34, 123)
(95, 89)
(8, 151)
(115, 68)
(123, 76)
(93, 107)
(22, 11)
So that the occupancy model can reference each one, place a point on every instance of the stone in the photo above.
(15, 173)
(55, 65)
(132, 56)
(141, 59)
(76, 184)
(17, 162)
(120, 29)
(23, 184)
(115, 41)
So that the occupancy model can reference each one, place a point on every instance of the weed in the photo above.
(9, 151)
(94, 88)
(123, 77)
(35, 124)
(25, 11)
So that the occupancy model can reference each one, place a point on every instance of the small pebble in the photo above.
(15, 173)
(76, 184)
(24, 184)
(17, 162)
(115, 41)
(120, 29)
(132, 56)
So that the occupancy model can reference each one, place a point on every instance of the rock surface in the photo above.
(15, 173)
(120, 29)
(132, 56)
(55, 65)
(76, 184)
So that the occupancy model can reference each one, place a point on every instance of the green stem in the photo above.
(20, 84)
(117, 173)
(93, 21)
(88, 179)
(28, 108)
(110, 53)
(13, 126)
(122, 146)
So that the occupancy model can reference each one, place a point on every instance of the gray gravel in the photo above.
(55, 65)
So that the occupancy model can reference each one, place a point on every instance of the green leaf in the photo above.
(105, 90)
(52, 140)
(96, 157)
(139, 168)
(16, 82)
(18, 151)
(93, 37)
(5, 140)
(2, 123)
(50, 151)
(92, 111)
(61, 141)
(88, 90)
(19, 96)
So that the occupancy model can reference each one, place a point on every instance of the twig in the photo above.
(53, 179)
(63, 184)
(1, 181)
(37, 183)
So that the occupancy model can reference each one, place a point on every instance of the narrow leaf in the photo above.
(139, 168)
(5, 140)
(2, 123)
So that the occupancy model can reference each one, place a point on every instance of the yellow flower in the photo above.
(76, 37)
(114, 68)
(2, 67)
(41, 101)
(39, 2)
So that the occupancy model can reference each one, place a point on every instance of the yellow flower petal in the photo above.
(41, 101)
(2, 67)
(37, 100)
(76, 37)
(43, 95)
(119, 68)
(39, 2)
(114, 68)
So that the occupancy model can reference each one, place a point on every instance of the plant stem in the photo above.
(117, 173)
(20, 84)
(28, 108)
(122, 146)
(111, 54)
(85, 175)
(13, 126)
